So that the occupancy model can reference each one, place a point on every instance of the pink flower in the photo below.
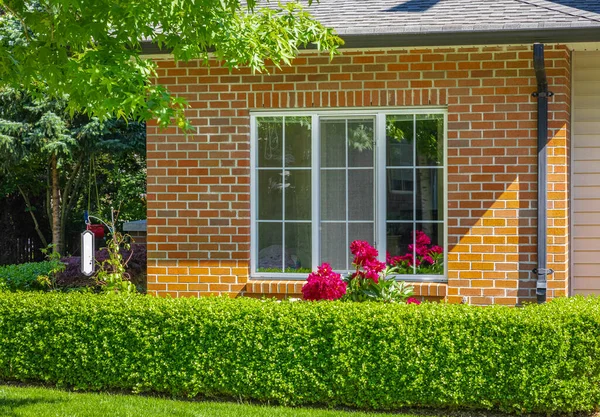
(373, 268)
(392, 260)
(420, 250)
(374, 265)
(427, 259)
(412, 300)
(409, 259)
(362, 252)
(436, 249)
(324, 284)
(421, 239)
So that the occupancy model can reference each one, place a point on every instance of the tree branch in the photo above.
(25, 28)
(35, 222)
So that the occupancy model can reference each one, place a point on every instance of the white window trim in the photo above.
(379, 114)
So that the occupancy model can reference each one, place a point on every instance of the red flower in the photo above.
(409, 259)
(362, 252)
(437, 249)
(421, 239)
(392, 260)
(373, 268)
(412, 300)
(324, 284)
(428, 259)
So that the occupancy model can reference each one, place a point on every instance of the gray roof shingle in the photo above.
(428, 16)
(407, 22)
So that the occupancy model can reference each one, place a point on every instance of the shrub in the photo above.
(325, 284)
(24, 277)
(364, 355)
(371, 280)
(136, 268)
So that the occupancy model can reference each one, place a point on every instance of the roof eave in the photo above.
(519, 37)
(499, 37)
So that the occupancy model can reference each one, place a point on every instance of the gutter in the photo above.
(459, 37)
(542, 94)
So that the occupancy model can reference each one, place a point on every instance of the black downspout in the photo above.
(542, 95)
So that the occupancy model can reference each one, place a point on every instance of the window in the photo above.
(321, 180)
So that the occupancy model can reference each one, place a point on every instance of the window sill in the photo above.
(293, 287)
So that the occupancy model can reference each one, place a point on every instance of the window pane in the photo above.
(333, 143)
(430, 194)
(360, 194)
(429, 247)
(400, 193)
(399, 238)
(270, 250)
(361, 141)
(297, 195)
(430, 139)
(297, 141)
(298, 247)
(333, 245)
(269, 195)
(399, 140)
(333, 194)
(270, 141)
(359, 231)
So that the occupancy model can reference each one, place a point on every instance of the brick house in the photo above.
(425, 122)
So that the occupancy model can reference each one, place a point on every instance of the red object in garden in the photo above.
(97, 230)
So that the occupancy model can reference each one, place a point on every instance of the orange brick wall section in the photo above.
(198, 183)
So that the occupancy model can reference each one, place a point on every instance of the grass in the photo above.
(46, 402)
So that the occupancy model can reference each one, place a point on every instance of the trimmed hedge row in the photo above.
(364, 355)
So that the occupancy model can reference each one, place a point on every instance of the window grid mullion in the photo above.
(414, 234)
(347, 202)
(316, 193)
(283, 195)
(380, 184)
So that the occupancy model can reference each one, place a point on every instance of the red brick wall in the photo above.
(198, 183)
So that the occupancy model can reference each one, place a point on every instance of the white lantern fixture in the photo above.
(87, 253)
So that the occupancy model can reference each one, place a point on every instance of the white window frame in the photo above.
(380, 214)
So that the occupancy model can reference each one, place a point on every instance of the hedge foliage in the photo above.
(24, 277)
(364, 355)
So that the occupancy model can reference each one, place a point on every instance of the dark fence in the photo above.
(19, 242)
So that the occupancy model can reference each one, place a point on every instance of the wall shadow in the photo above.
(588, 6)
(413, 6)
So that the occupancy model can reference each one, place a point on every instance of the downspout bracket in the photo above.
(543, 271)
(542, 94)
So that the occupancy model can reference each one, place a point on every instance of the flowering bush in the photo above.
(324, 285)
(429, 258)
(369, 281)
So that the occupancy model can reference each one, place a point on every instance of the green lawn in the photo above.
(44, 402)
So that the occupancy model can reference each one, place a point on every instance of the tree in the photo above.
(45, 149)
(89, 51)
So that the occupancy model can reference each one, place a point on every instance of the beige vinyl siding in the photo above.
(586, 173)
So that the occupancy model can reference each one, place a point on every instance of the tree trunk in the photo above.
(69, 196)
(55, 202)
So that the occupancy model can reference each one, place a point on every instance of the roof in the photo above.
(443, 22)
(135, 226)
(389, 23)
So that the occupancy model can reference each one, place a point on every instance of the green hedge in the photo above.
(23, 277)
(374, 356)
